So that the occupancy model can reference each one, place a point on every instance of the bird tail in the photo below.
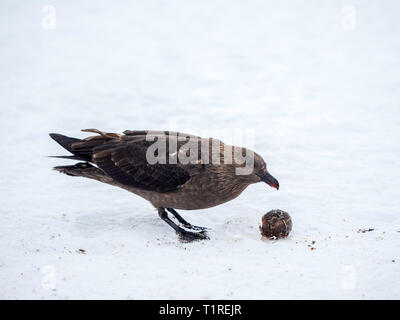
(75, 170)
(85, 169)
(66, 143)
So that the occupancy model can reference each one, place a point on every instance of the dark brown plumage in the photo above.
(182, 178)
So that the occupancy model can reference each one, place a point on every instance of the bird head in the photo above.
(261, 173)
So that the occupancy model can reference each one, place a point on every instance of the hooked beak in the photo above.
(268, 179)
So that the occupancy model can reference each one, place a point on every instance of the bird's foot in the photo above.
(188, 236)
(196, 228)
(184, 223)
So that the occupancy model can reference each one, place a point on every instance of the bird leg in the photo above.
(184, 222)
(184, 235)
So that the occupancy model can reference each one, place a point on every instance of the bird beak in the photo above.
(268, 179)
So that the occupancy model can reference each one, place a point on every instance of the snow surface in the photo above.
(321, 95)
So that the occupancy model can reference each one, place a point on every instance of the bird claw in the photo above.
(196, 228)
(188, 236)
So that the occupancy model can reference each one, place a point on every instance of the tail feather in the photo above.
(86, 170)
(75, 157)
(76, 169)
(66, 143)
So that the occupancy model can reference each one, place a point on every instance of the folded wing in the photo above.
(123, 158)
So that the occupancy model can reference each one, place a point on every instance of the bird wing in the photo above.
(125, 161)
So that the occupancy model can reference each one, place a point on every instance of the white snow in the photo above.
(320, 92)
